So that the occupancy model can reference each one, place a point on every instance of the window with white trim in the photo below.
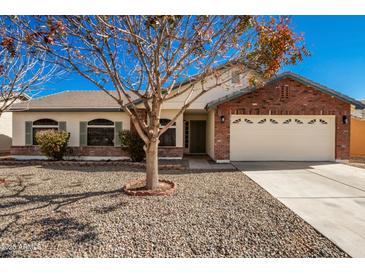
(43, 125)
(168, 138)
(100, 132)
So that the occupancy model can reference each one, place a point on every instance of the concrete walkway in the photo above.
(203, 163)
(329, 196)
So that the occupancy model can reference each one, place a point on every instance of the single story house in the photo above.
(290, 118)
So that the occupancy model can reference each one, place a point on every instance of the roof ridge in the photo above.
(67, 91)
(303, 80)
(318, 85)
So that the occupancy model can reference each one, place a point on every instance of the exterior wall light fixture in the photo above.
(222, 119)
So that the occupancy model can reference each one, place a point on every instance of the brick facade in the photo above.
(302, 100)
(96, 151)
(173, 152)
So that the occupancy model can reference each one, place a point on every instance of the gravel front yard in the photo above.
(81, 212)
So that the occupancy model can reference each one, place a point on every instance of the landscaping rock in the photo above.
(81, 211)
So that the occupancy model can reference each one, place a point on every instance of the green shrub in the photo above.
(133, 144)
(53, 143)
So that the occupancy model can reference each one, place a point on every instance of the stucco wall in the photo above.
(72, 120)
(357, 140)
(5, 131)
(210, 133)
(169, 114)
(213, 94)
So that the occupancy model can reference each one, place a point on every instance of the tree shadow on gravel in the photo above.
(53, 229)
(108, 209)
(58, 201)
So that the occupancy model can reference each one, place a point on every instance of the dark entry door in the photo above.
(197, 136)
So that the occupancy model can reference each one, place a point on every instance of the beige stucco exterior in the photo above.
(210, 133)
(213, 94)
(5, 131)
(169, 114)
(169, 110)
(73, 120)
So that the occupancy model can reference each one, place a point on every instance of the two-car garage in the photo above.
(282, 138)
(289, 118)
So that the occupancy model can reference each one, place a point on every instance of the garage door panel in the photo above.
(282, 138)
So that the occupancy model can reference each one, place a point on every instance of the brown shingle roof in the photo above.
(70, 100)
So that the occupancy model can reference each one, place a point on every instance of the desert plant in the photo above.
(133, 144)
(53, 143)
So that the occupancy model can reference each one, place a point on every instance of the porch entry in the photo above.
(197, 136)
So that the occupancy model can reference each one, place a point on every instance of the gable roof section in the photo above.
(293, 76)
(79, 101)
(70, 101)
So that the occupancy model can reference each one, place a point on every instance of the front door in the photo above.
(197, 136)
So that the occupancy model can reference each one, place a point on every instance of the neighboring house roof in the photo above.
(296, 77)
(359, 113)
(70, 101)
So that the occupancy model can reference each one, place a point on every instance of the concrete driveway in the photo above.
(329, 196)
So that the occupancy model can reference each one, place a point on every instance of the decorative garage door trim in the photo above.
(282, 138)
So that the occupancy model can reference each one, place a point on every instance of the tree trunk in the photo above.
(152, 165)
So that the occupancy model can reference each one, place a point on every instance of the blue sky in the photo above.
(337, 46)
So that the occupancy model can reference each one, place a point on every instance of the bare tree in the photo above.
(149, 60)
(23, 70)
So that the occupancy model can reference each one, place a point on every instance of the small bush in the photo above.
(53, 143)
(133, 144)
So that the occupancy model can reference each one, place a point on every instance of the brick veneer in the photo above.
(302, 100)
(102, 151)
(105, 151)
(171, 152)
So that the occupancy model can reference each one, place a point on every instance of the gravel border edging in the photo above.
(87, 164)
(131, 192)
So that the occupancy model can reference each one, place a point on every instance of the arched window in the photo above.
(100, 132)
(42, 125)
(168, 138)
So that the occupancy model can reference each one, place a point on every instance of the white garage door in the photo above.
(282, 138)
